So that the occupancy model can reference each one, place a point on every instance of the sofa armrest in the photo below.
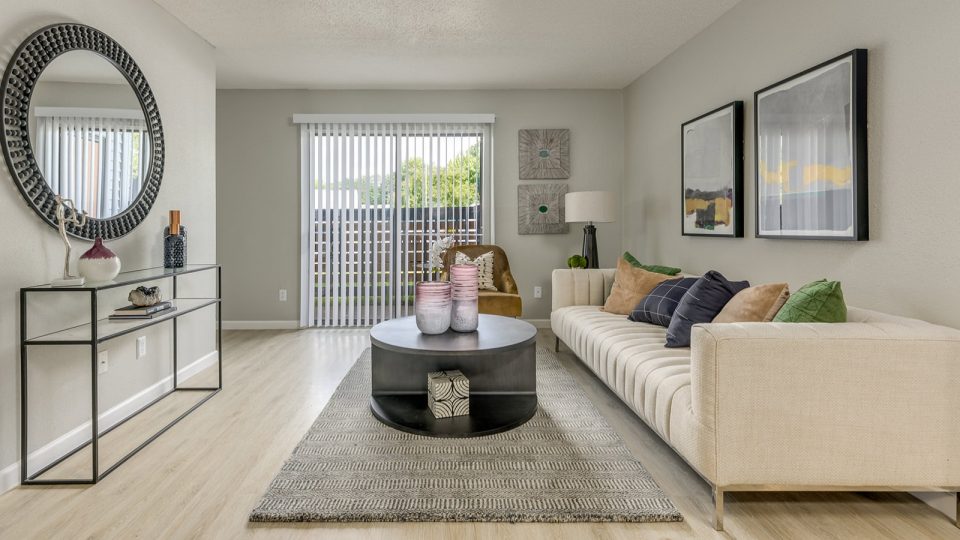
(848, 404)
(581, 287)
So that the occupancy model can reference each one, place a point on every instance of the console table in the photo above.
(98, 331)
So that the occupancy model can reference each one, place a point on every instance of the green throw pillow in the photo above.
(665, 270)
(820, 301)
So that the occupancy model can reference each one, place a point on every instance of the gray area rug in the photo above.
(564, 465)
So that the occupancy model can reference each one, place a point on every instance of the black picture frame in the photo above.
(735, 150)
(17, 87)
(854, 112)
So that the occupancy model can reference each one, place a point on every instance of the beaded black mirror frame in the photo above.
(19, 82)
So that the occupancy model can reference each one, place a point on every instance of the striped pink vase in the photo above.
(465, 316)
(432, 306)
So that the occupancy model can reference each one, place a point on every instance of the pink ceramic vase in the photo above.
(432, 306)
(465, 316)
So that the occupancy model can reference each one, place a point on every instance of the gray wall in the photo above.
(909, 265)
(181, 70)
(258, 181)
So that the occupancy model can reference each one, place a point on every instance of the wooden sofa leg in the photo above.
(556, 345)
(957, 521)
(717, 508)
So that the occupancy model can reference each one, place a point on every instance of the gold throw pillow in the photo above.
(755, 304)
(630, 285)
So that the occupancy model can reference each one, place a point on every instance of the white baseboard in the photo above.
(261, 325)
(539, 323)
(10, 477)
(50, 452)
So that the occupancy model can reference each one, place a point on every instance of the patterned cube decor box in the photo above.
(448, 393)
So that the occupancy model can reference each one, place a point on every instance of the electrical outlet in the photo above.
(538, 292)
(103, 362)
(283, 295)
(141, 346)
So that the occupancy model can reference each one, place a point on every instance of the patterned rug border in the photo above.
(281, 503)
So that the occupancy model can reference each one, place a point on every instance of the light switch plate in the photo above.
(538, 292)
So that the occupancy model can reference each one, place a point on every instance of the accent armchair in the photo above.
(506, 299)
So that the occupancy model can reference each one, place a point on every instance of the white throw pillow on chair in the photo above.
(484, 264)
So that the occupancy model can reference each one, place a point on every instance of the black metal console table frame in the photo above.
(94, 341)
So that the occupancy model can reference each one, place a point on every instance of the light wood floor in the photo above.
(201, 478)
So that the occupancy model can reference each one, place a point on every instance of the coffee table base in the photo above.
(489, 414)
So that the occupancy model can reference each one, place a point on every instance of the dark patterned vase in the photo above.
(174, 248)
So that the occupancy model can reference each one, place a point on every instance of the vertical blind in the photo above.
(375, 196)
(95, 157)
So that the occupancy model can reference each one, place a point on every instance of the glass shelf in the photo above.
(129, 278)
(109, 329)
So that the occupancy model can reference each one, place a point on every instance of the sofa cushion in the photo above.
(630, 285)
(668, 270)
(658, 306)
(631, 360)
(820, 301)
(701, 304)
(759, 303)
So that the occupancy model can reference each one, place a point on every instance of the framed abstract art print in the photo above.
(711, 171)
(811, 152)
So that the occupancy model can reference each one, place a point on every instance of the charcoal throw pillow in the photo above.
(656, 268)
(820, 301)
(658, 306)
(701, 304)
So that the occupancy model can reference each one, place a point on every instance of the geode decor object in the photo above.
(144, 296)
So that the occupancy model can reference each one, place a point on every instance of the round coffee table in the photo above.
(499, 359)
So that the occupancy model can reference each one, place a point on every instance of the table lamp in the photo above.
(590, 207)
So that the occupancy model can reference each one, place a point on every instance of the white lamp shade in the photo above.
(586, 206)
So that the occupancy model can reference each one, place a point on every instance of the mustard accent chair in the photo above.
(506, 299)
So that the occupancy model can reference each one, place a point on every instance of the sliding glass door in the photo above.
(376, 195)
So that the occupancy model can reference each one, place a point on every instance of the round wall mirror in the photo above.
(80, 122)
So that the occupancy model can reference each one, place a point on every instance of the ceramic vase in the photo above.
(465, 312)
(432, 306)
(174, 242)
(99, 263)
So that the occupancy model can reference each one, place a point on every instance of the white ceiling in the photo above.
(441, 44)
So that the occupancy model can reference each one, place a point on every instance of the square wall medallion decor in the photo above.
(544, 154)
(541, 208)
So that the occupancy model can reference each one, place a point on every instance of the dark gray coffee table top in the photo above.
(494, 334)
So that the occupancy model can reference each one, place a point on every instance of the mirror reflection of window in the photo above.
(93, 156)
(89, 134)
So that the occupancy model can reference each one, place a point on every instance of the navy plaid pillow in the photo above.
(658, 306)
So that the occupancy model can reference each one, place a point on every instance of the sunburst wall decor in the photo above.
(544, 154)
(541, 209)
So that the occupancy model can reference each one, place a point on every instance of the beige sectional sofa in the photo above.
(868, 405)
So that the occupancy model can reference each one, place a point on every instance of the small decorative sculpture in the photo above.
(66, 213)
(144, 296)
